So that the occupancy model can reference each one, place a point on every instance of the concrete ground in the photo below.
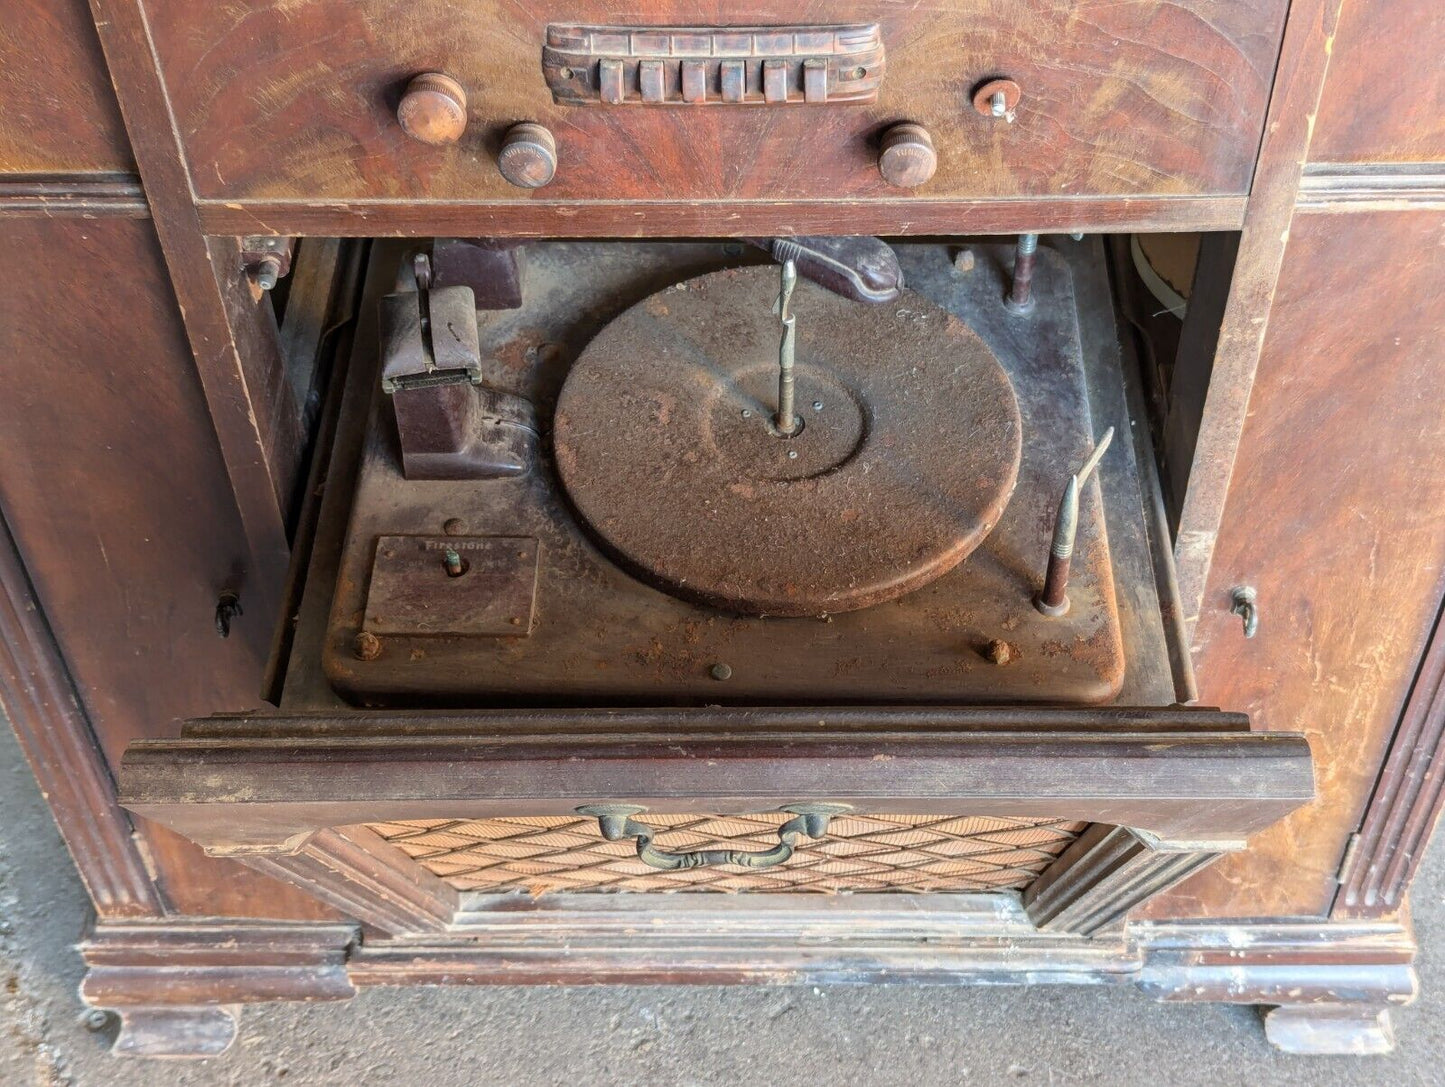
(640, 1036)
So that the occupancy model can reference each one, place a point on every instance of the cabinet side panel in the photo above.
(57, 109)
(113, 485)
(1336, 515)
(1384, 97)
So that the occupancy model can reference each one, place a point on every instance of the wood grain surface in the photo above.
(112, 482)
(1336, 515)
(1384, 97)
(279, 101)
(258, 793)
(57, 108)
(1303, 59)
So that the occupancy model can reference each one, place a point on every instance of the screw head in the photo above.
(720, 671)
(999, 651)
(817, 405)
(792, 454)
(268, 273)
(747, 414)
(366, 646)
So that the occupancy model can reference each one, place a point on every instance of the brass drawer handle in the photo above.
(616, 825)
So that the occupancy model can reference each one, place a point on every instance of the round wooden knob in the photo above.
(433, 109)
(907, 159)
(528, 157)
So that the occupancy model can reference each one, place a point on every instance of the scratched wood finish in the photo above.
(1336, 514)
(40, 701)
(1384, 98)
(1303, 58)
(113, 485)
(251, 792)
(708, 218)
(227, 322)
(59, 113)
(1151, 98)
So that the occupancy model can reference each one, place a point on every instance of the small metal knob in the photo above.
(528, 157)
(433, 109)
(907, 159)
(997, 98)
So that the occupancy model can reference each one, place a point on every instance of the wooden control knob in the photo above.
(907, 159)
(528, 157)
(433, 109)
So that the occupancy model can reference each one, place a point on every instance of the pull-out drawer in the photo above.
(1104, 101)
(394, 818)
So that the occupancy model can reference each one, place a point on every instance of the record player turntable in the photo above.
(683, 474)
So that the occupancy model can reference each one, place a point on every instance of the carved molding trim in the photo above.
(1374, 186)
(359, 873)
(1110, 870)
(83, 196)
(1407, 800)
(39, 697)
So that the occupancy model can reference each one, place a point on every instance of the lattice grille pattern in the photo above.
(860, 853)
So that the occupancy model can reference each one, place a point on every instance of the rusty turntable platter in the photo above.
(905, 448)
(556, 604)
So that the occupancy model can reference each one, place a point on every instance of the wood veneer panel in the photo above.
(1336, 514)
(897, 216)
(1384, 97)
(297, 100)
(57, 108)
(112, 482)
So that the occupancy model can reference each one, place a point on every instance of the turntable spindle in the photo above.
(787, 419)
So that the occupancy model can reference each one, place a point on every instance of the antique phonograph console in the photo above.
(551, 497)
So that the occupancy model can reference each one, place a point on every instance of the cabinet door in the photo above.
(1336, 517)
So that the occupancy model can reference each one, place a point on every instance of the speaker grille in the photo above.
(545, 854)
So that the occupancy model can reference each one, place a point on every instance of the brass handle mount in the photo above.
(617, 824)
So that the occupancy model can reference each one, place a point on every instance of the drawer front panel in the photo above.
(544, 854)
(299, 101)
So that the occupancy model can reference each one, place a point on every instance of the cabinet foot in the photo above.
(1352, 1029)
(175, 1031)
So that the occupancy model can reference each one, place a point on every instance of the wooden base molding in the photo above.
(175, 984)
(1346, 1030)
(179, 1031)
(172, 982)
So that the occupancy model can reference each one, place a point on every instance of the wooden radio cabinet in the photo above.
(414, 569)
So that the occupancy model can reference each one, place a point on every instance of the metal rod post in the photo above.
(1020, 296)
(786, 420)
(1054, 599)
